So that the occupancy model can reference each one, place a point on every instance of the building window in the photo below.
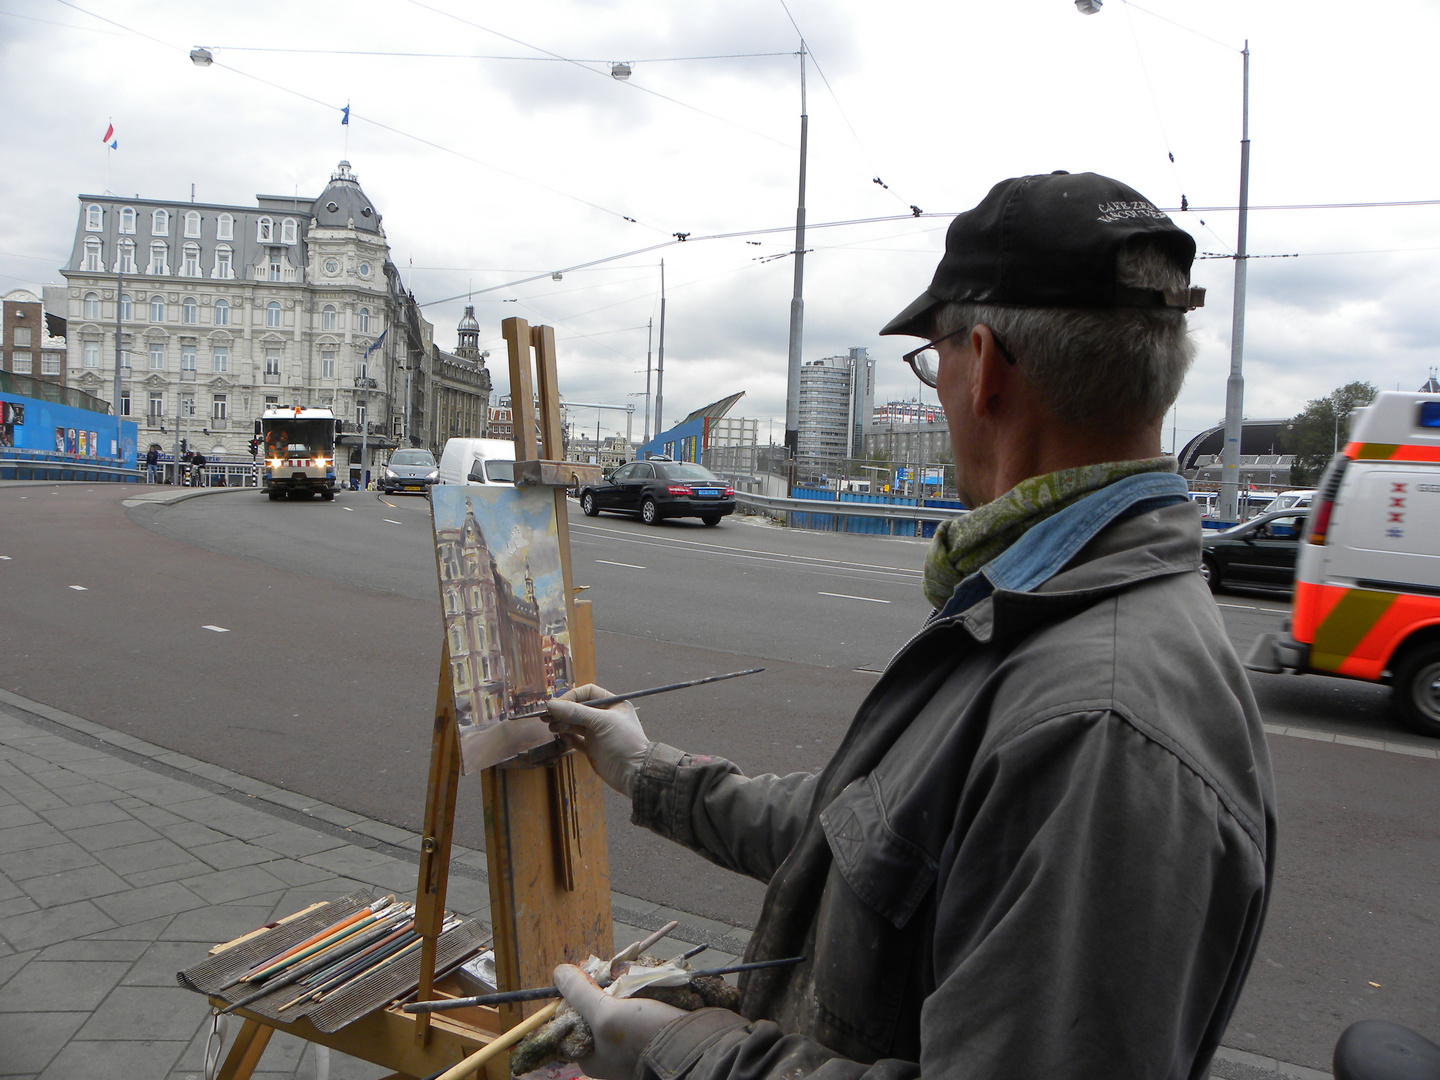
(272, 401)
(157, 356)
(274, 267)
(124, 402)
(157, 404)
(191, 266)
(127, 310)
(272, 313)
(362, 369)
(90, 306)
(265, 231)
(157, 308)
(20, 335)
(94, 218)
(160, 223)
(125, 359)
(127, 257)
(327, 317)
(272, 367)
(93, 256)
(287, 231)
(49, 363)
(159, 259)
(223, 265)
(327, 363)
(190, 311)
(225, 227)
(187, 357)
(220, 358)
(222, 312)
(192, 223)
(360, 414)
(218, 408)
(399, 426)
(127, 220)
(364, 315)
(364, 269)
(20, 362)
(91, 352)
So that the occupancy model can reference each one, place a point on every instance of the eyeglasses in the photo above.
(925, 361)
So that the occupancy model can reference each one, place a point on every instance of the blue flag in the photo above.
(376, 343)
(346, 118)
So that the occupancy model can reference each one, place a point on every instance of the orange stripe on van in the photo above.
(1312, 604)
(1392, 452)
(1402, 618)
(1338, 635)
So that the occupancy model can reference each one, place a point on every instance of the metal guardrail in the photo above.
(834, 508)
(15, 467)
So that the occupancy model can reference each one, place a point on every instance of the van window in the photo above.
(501, 471)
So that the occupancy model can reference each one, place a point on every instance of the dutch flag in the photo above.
(110, 139)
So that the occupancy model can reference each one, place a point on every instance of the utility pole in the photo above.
(649, 340)
(1235, 386)
(797, 300)
(660, 363)
(119, 290)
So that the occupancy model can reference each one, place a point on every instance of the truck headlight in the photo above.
(275, 463)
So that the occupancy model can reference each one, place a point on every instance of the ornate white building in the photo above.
(224, 310)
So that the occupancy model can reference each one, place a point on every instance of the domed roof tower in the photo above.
(343, 205)
(469, 334)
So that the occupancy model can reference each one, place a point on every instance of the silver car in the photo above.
(409, 470)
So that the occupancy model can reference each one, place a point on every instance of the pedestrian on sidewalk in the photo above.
(152, 463)
(1044, 848)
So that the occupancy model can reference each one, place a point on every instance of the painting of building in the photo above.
(503, 603)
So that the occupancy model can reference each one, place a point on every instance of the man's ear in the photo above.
(992, 376)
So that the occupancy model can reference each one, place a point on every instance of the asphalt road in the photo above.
(299, 643)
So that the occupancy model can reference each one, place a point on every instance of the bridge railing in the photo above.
(837, 515)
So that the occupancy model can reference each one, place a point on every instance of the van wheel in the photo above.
(587, 503)
(274, 495)
(1210, 573)
(649, 512)
(1416, 690)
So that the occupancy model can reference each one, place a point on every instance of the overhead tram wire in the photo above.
(373, 122)
(583, 66)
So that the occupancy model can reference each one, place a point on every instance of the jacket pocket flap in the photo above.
(889, 873)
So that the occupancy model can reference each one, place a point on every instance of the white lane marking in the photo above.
(1257, 607)
(79, 588)
(1241, 607)
(348, 509)
(814, 564)
(846, 596)
(631, 565)
(4, 558)
(392, 521)
(217, 629)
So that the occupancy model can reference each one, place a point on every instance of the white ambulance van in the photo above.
(1367, 579)
(478, 461)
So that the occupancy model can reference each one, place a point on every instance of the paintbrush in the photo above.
(540, 993)
(615, 699)
(378, 905)
(328, 942)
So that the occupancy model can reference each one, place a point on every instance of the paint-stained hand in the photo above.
(622, 1027)
(612, 738)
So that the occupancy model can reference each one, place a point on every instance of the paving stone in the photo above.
(17, 905)
(147, 855)
(76, 817)
(299, 899)
(244, 824)
(148, 930)
(153, 816)
(388, 834)
(347, 860)
(113, 1058)
(58, 780)
(35, 930)
(90, 949)
(297, 873)
(26, 837)
(65, 985)
(189, 868)
(191, 834)
(12, 963)
(104, 764)
(162, 959)
(152, 902)
(204, 809)
(298, 842)
(35, 796)
(468, 897)
(394, 876)
(228, 854)
(8, 889)
(227, 885)
(116, 834)
(16, 814)
(20, 865)
(147, 1012)
(217, 925)
(334, 815)
(86, 883)
(30, 1041)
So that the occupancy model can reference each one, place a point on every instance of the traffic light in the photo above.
(254, 445)
(183, 447)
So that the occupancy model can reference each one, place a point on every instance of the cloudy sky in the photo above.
(500, 151)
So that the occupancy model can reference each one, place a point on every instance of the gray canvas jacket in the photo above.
(1043, 848)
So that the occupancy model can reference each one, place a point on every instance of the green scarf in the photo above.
(964, 545)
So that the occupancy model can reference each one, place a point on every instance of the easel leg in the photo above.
(245, 1054)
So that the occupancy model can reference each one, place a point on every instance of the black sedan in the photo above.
(1258, 553)
(658, 489)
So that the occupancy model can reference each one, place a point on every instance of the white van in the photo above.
(1367, 578)
(1300, 499)
(478, 461)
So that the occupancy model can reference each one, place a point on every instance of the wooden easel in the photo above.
(545, 841)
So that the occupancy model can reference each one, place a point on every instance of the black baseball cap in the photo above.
(1050, 241)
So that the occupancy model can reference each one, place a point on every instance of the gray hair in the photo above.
(1115, 367)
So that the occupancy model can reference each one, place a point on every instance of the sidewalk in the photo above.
(121, 863)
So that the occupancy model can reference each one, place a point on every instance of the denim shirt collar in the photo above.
(1047, 547)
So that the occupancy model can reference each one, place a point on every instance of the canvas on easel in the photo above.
(503, 604)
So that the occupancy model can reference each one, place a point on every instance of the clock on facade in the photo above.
(331, 266)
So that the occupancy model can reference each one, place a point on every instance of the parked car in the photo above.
(409, 470)
(1259, 552)
(658, 489)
